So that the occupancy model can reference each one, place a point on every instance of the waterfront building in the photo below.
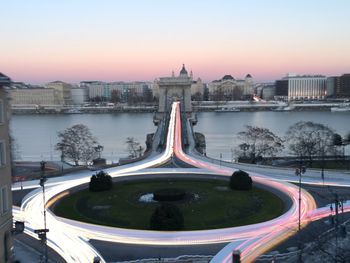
(266, 91)
(305, 87)
(63, 91)
(35, 97)
(175, 89)
(229, 88)
(5, 175)
(117, 91)
(79, 95)
(339, 86)
(197, 89)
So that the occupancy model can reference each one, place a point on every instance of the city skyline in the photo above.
(144, 40)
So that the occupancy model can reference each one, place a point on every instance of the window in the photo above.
(2, 153)
(4, 200)
(2, 114)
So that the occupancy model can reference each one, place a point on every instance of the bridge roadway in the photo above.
(252, 240)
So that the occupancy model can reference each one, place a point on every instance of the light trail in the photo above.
(71, 245)
(69, 238)
(269, 233)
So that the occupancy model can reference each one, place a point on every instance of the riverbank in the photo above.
(197, 106)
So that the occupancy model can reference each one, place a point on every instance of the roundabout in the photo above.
(205, 201)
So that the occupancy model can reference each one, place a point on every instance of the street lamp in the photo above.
(298, 172)
(99, 149)
(42, 232)
(220, 159)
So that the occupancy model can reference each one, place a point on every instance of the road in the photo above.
(252, 240)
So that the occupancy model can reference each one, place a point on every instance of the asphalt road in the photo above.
(113, 252)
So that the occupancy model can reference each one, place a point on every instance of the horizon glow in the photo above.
(118, 40)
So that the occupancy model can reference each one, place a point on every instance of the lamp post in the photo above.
(99, 149)
(42, 232)
(62, 160)
(220, 159)
(298, 172)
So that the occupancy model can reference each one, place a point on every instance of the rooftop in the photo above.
(4, 80)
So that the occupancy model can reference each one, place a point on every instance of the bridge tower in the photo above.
(175, 89)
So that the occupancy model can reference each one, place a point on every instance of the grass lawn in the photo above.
(216, 206)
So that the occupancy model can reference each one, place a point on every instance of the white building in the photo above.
(306, 87)
(229, 88)
(35, 97)
(79, 95)
(63, 91)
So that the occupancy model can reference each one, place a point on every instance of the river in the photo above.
(36, 135)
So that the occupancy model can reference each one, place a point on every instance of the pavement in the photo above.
(28, 249)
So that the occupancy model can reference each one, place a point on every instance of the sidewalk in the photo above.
(28, 250)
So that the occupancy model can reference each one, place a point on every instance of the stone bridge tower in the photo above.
(175, 89)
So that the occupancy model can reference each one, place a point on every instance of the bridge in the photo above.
(252, 240)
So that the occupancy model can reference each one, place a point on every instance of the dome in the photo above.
(248, 76)
(228, 77)
(183, 71)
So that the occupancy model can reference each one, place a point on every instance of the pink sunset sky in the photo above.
(42, 41)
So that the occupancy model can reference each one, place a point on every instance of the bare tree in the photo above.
(77, 144)
(115, 96)
(309, 139)
(133, 147)
(258, 143)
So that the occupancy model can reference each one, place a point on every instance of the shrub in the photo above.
(100, 181)
(241, 180)
(167, 217)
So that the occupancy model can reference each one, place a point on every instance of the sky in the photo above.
(129, 40)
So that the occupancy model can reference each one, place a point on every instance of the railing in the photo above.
(179, 259)
(185, 142)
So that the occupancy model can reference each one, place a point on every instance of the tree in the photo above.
(115, 96)
(309, 139)
(77, 144)
(197, 96)
(134, 148)
(241, 180)
(338, 142)
(258, 143)
(337, 139)
(167, 217)
(100, 181)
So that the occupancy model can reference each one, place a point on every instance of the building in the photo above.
(63, 91)
(266, 91)
(79, 95)
(338, 86)
(118, 91)
(305, 87)
(175, 89)
(35, 97)
(197, 89)
(5, 175)
(229, 88)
